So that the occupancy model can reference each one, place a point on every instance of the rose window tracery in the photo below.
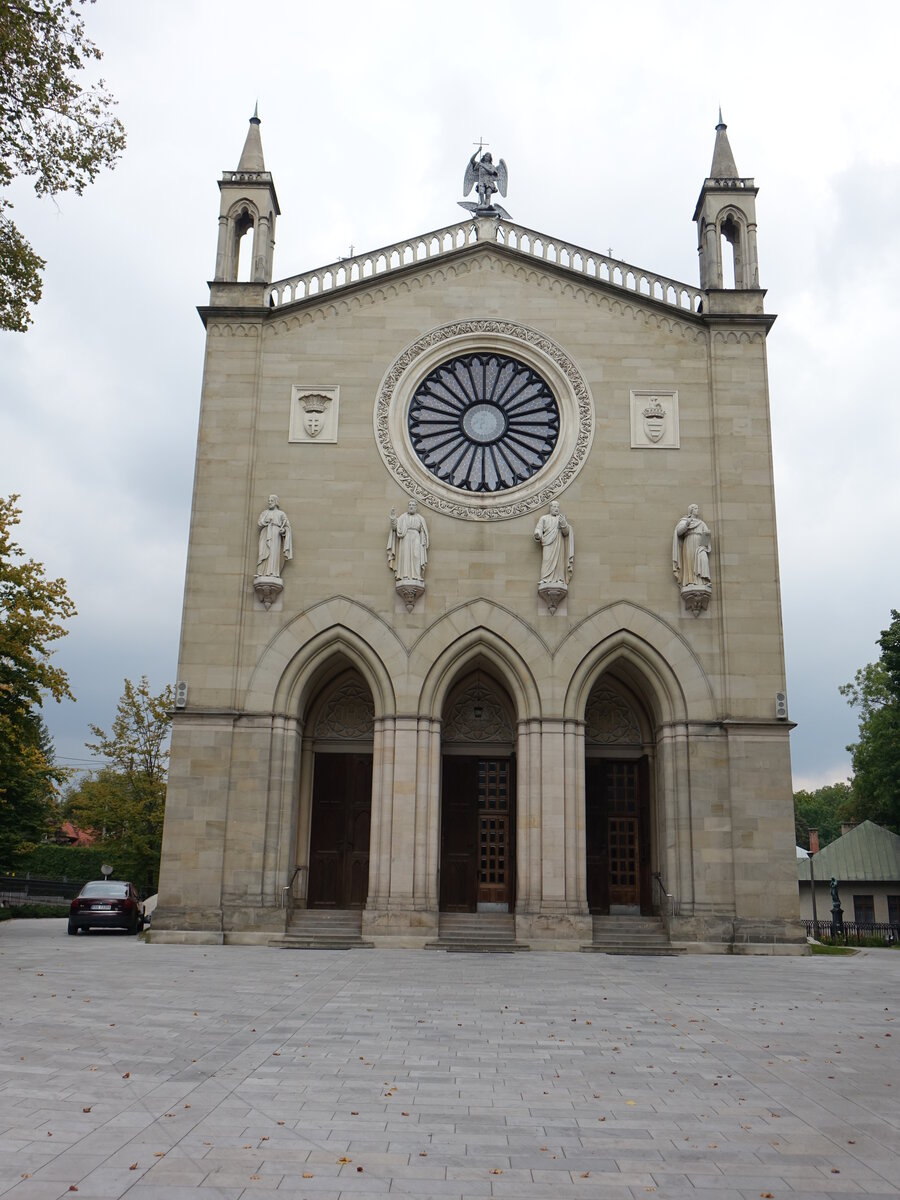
(483, 422)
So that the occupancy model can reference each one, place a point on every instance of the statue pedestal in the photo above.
(409, 590)
(696, 598)
(268, 588)
(837, 922)
(552, 594)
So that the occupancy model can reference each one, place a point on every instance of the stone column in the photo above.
(382, 815)
(222, 249)
(528, 826)
(428, 828)
(260, 250)
(576, 847)
(304, 816)
(553, 819)
(403, 824)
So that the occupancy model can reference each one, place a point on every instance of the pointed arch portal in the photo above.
(618, 829)
(478, 798)
(341, 812)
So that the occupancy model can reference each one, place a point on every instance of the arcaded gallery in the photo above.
(481, 644)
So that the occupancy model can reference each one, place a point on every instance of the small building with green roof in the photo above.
(865, 860)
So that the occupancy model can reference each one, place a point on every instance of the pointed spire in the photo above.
(723, 166)
(252, 154)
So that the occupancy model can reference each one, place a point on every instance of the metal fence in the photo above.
(853, 932)
(19, 889)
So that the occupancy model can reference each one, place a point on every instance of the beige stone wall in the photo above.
(721, 771)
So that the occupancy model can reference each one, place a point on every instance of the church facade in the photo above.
(482, 615)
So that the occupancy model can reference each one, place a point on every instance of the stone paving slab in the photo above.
(146, 1071)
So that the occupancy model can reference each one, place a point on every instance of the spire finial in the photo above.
(721, 122)
(252, 154)
(255, 116)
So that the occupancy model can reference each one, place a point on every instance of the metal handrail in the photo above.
(668, 898)
(288, 887)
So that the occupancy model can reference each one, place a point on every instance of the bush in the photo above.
(77, 863)
(17, 911)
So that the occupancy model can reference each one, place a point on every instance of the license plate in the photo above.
(101, 908)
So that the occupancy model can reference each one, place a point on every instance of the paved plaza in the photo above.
(176, 1071)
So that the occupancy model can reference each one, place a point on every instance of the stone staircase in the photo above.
(629, 935)
(323, 929)
(476, 933)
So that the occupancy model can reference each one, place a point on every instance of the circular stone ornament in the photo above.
(484, 420)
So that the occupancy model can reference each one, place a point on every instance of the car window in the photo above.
(104, 888)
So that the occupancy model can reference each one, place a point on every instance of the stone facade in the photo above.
(621, 675)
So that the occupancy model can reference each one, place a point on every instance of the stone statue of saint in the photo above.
(557, 539)
(690, 550)
(275, 543)
(407, 547)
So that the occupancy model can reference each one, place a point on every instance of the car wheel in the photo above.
(72, 928)
(140, 925)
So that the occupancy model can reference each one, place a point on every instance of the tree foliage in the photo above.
(875, 691)
(52, 128)
(32, 609)
(825, 810)
(124, 802)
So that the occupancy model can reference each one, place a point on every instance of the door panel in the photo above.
(617, 834)
(458, 834)
(339, 837)
(477, 833)
(494, 843)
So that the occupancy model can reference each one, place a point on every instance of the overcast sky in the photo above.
(605, 115)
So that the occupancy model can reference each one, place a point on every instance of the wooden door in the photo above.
(477, 834)
(339, 837)
(458, 834)
(595, 837)
(617, 835)
(495, 834)
(622, 840)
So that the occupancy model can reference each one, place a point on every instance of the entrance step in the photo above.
(629, 935)
(323, 929)
(477, 933)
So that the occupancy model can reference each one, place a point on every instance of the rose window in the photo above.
(483, 422)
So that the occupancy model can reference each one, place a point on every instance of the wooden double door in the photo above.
(478, 868)
(339, 836)
(617, 833)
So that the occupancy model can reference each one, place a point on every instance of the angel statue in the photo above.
(487, 179)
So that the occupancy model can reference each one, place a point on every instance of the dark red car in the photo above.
(107, 904)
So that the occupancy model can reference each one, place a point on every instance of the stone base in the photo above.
(173, 918)
(553, 595)
(401, 928)
(268, 588)
(737, 935)
(696, 598)
(554, 931)
(185, 937)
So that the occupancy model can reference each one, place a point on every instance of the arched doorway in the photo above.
(342, 719)
(478, 801)
(618, 829)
